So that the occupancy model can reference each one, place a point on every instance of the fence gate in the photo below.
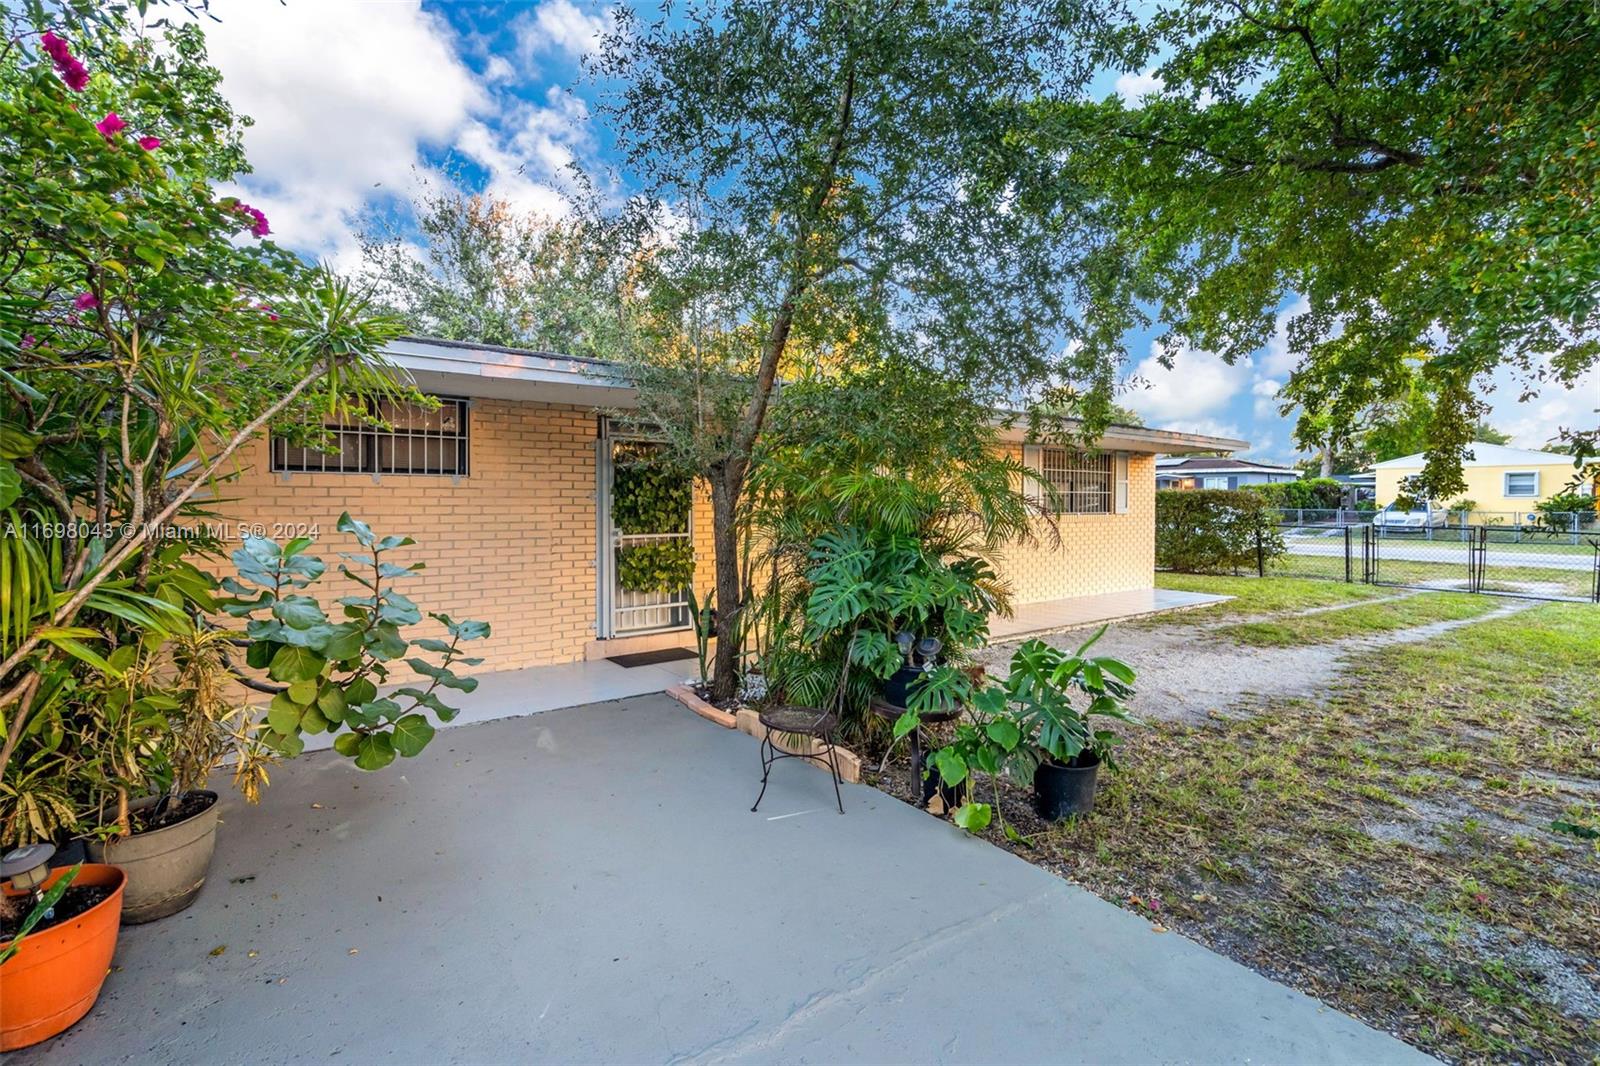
(645, 549)
(1500, 560)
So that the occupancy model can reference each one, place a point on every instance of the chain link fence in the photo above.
(1550, 561)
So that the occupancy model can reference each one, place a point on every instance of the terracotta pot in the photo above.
(55, 976)
(166, 867)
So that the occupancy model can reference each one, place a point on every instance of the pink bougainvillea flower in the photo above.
(75, 75)
(85, 301)
(111, 125)
(67, 65)
(258, 221)
(149, 143)
(54, 46)
(28, 342)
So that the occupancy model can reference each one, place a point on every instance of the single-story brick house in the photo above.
(507, 488)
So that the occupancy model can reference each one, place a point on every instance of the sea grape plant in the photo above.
(325, 672)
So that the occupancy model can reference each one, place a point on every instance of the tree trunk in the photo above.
(1327, 461)
(726, 484)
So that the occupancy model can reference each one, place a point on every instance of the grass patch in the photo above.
(1253, 595)
(1390, 850)
(1360, 620)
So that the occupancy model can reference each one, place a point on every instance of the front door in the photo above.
(646, 551)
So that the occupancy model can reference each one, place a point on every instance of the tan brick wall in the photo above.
(1096, 553)
(511, 544)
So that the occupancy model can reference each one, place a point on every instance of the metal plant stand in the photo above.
(800, 721)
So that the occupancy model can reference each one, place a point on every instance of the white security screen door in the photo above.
(646, 551)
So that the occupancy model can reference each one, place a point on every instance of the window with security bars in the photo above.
(421, 440)
(1081, 483)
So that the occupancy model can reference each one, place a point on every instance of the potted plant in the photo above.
(169, 718)
(1058, 695)
(1039, 721)
(58, 932)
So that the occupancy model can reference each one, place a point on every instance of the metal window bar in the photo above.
(422, 440)
(1081, 482)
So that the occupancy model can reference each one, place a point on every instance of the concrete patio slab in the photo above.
(534, 689)
(1077, 611)
(590, 885)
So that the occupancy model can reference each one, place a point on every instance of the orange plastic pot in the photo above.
(55, 977)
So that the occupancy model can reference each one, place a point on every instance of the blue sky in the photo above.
(355, 102)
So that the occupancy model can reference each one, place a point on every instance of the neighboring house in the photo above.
(1499, 478)
(508, 489)
(1212, 473)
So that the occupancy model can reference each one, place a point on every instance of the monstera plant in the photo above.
(324, 671)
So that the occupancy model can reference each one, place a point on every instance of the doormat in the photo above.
(652, 658)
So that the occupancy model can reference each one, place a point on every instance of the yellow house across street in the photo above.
(1500, 479)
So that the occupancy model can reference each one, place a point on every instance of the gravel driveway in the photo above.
(1187, 673)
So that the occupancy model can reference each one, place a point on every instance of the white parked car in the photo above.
(1423, 515)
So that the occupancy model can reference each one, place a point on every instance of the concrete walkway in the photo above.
(590, 885)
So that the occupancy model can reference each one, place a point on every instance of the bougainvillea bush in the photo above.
(149, 328)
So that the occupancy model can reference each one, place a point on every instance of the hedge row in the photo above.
(1215, 530)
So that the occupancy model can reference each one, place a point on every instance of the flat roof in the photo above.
(464, 368)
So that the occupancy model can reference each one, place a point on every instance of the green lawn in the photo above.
(1252, 595)
(1394, 850)
(1361, 619)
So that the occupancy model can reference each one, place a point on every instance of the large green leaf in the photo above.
(295, 664)
(283, 714)
(374, 751)
(973, 817)
(299, 612)
(411, 734)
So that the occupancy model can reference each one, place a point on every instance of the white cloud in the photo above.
(560, 25)
(1211, 427)
(1265, 391)
(1135, 87)
(1198, 386)
(498, 69)
(1536, 422)
(343, 97)
(347, 98)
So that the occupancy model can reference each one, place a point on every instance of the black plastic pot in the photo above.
(897, 689)
(1060, 791)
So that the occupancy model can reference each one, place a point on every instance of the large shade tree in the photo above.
(822, 167)
(1424, 174)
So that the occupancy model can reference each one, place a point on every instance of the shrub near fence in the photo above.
(1215, 530)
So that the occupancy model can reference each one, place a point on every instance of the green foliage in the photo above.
(1422, 174)
(147, 333)
(1213, 530)
(47, 899)
(491, 274)
(662, 566)
(704, 616)
(879, 498)
(329, 671)
(826, 163)
(650, 495)
(1308, 493)
(1556, 509)
(1044, 709)
(865, 586)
